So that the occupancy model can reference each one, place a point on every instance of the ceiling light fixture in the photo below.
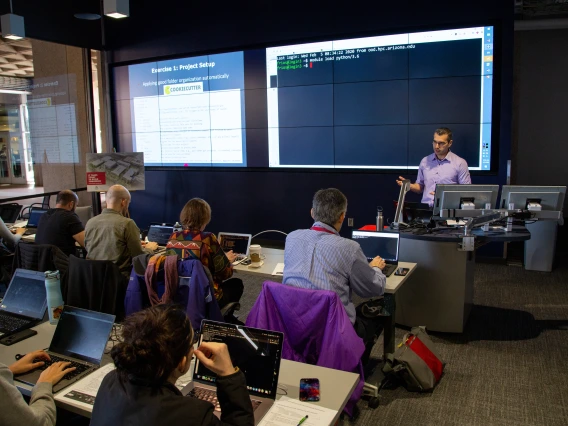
(12, 25)
(117, 8)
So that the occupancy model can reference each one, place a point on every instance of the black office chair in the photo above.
(96, 285)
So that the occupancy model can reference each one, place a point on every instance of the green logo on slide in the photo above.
(167, 90)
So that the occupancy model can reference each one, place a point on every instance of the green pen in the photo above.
(303, 420)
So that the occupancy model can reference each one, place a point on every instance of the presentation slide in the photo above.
(375, 102)
(185, 112)
(362, 103)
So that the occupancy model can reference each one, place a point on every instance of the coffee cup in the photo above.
(255, 251)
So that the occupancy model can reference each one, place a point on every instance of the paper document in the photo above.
(83, 393)
(184, 380)
(451, 222)
(287, 411)
(279, 269)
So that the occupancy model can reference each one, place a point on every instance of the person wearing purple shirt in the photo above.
(443, 166)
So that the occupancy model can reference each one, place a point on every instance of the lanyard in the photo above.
(320, 229)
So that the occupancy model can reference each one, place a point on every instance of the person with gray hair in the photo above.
(112, 235)
(320, 259)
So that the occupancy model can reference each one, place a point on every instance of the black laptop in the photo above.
(10, 212)
(33, 220)
(160, 234)
(80, 338)
(24, 303)
(256, 352)
(384, 244)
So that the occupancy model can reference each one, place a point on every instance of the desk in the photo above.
(440, 293)
(337, 386)
(394, 283)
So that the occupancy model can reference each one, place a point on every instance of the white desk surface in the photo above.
(275, 256)
(336, 386)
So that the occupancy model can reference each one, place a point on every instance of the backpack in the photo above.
(415, 362)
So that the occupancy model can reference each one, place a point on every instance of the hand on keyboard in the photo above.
(55, 372)
(29, 362)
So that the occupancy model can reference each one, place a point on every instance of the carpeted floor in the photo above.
(510, 366)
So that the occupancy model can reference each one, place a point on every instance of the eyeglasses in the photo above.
(195, 338)
(440, 144)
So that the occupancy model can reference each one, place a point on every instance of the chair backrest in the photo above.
(84, 213)
(40, 257)
(96, 285)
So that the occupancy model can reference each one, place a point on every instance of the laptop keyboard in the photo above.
(10, 323)
(79, 368)
(210, 395)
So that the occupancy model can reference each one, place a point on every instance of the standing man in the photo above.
(112, 235)
(443, 166)
(61, 226)
(320, 259)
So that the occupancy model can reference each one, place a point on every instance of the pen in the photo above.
(303, 420)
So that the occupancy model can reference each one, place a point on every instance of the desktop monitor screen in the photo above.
(551, 198)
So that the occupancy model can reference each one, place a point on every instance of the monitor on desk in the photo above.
(550, 198)
(466, 197)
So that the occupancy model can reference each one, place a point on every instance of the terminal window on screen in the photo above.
(376, 246)
(375, 102)
(237, 243)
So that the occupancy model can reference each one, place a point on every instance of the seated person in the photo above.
(61, 226)
(156, 349)
(319, 258)
(41, 410)
(112, 235)
(9, 238)
(193, 243)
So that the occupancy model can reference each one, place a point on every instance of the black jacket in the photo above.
(134, 403)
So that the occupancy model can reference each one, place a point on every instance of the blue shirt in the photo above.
(319, 260)
(452, 169)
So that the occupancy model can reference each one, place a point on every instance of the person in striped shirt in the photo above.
(319, 258)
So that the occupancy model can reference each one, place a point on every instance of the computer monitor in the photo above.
(472, 196)
(551, 198)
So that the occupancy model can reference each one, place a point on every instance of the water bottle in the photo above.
(54, 298)
(380, 219)
(177, 227)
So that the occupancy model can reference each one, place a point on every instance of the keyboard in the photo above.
(30, 231)
(210, 395)
(389, 269)
(79, 368)
(10, 323)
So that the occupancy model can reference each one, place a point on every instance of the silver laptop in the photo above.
(239, 243)
(256, 352)
(80, 338)
(384, 244)
(24, 303)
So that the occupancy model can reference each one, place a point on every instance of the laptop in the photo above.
(160, 234)
(384, 244)
(256, 352)
(24, 303)
(33, 220)
(239, 243)
(80, 338)
(10, 212)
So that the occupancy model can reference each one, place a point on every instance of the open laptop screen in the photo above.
(256, 352)
(33, 220)
(26, 294)
(239, 243)
(10, 212)
(384, 244)
(160, 234)
(82, 334)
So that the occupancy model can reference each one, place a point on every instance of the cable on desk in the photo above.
(283, 388)
(268, 230)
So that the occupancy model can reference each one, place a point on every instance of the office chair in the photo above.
(84, 213)
(96, 285)
(316, 330)
(40, 257)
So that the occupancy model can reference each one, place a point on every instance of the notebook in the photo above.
(24, 303)
(160, 234)
(239, 243)
(384, 244)
(80, 337)
(33, 220)
(256, 352)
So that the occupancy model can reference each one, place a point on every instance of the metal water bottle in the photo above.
(54, 298)
(380, 219)
(177, 227)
